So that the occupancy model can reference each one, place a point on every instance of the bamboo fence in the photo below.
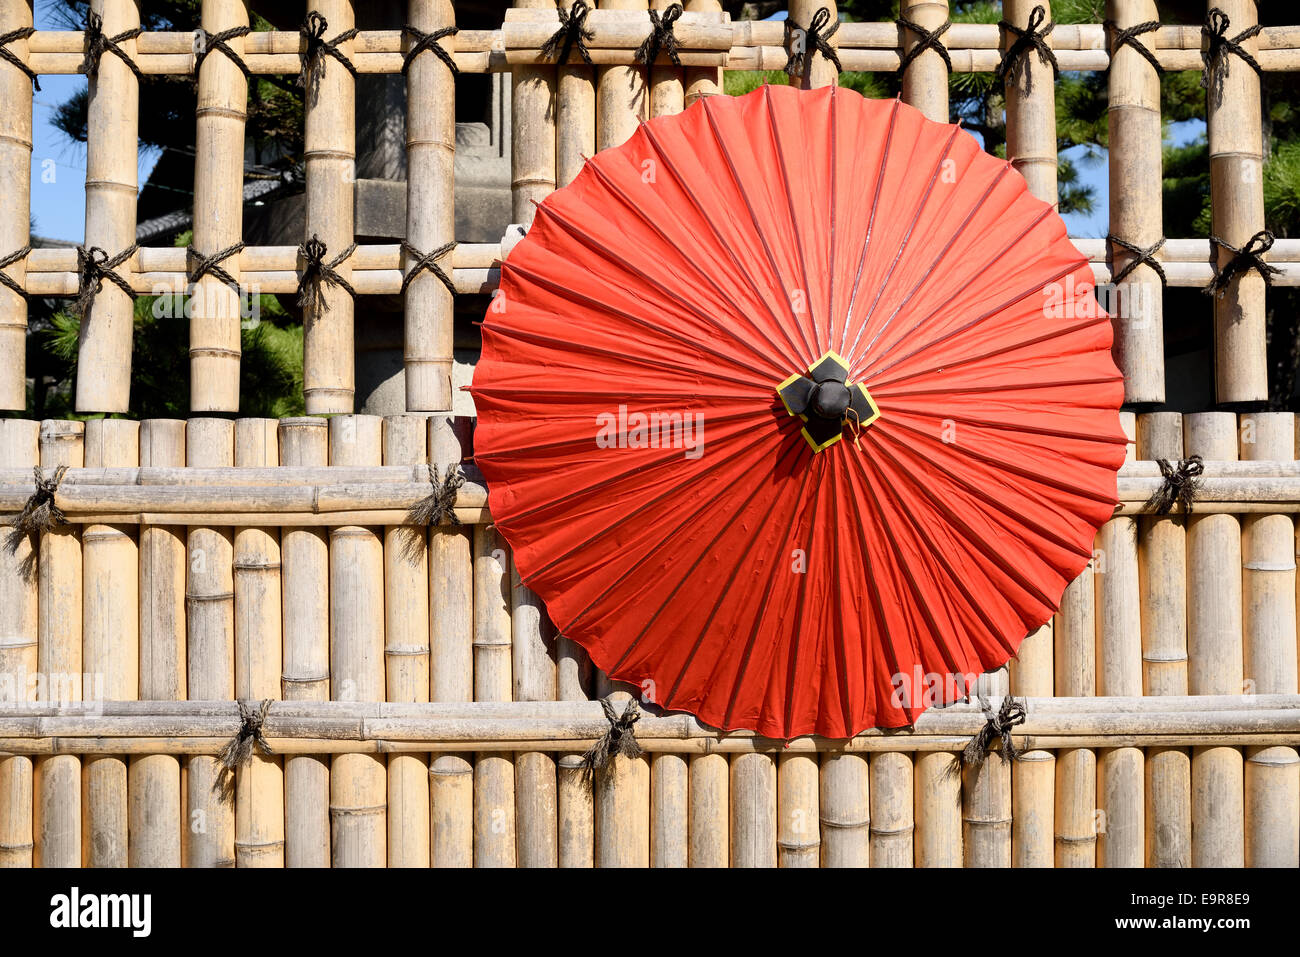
(423, 711)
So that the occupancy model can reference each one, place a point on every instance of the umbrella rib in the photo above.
(907, 238)
(784, 172)
(833, 179)
(1003, 387)
(802, 595)
(617, 191)
(838, 636)
(871, 223)
(672, 490)
(529, 335)
(947, 248)
(689, 307)
(793, 357)
(1005, 304)
(811, 355)
(1005, 426)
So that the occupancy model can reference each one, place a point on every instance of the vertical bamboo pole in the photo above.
(893, 827)
(19, 448)
(430, 210)
(16, 184)
(533, 671)
(701, 81)
(1272, 775)
(494, 778)
(210, 651)
(1033, 775)
(669, 804)
(1076, 768)
(111, 652)
(798, 842)
(451, 659)
(621, 96)
(1237, 212)
(820, 71)
(1162, 571)
(59, 658)
(667, 90)
(329, 158)
(753, 810)
(304, 557)
(925, 81)
(259, 659)
(1121, 829)
(218, 213)
(575, 121)
(154, 781)
(577, 825)
(1031, 117)
(112, 126)
(358, 782)
(1214, 649)
(938, 809)
(845, 803)
(532, 125)
(406, 650)
(708, 831)
(1135, 171)
(986, 796)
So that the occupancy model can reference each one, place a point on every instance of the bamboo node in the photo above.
(312, 32)
(1248, 257)
(239, 749)
(17, 255)
(1180, 485)
(22, 33)
(39, 514)
(661, 37)
(997, 726)
(1015, 62)
(926, 40)
(618, 739)
(217, 41)
(1128, 37)
(97, 45)
(572, 35)
(429, 41)
(94, 265)
(1218, 46)
(316, 271)
(800, 55)
(435, 508)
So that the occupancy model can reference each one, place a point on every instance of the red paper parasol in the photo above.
(661, 399)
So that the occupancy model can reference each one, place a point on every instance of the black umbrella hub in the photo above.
(826, 401)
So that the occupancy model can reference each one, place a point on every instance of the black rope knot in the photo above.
(1128, 37)
(1144, 255)
(1218, 47)
(815, 41)
(198, 265)
(94, 265)
(238, 751)
(313, 59)
(572, 35)
(217, 42)
(22, 33)
(435, 508)
(97, 45)
(1015, 62)
(39, 514)
(618, 739)
(429, 42)
(661, 37)
(317, 272)
(7, 280)
(1179, 487)
(926, 40)
(427, 262)
(997, 727)
(1248, 257)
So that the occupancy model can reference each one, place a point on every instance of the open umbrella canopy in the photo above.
(795, 405)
